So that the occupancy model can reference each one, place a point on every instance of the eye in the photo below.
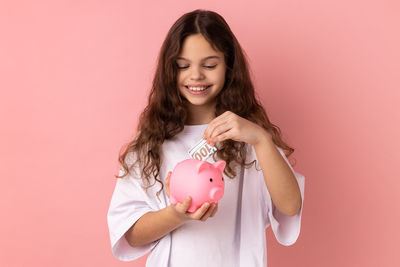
(185, 67)
(210, 179)
(222, 178)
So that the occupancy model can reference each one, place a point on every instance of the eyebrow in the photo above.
(201, 60)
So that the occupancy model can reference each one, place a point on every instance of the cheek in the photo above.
(181, 90)
(179, 83)
(220, 75)
(178, 79)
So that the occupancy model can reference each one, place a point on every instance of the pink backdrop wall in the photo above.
(74, 76)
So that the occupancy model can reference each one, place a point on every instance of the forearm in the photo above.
(152, 226)
(278, 177)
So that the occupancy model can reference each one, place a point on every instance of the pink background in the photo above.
(74, 76)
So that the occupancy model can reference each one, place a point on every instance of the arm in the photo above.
(152, 226)
(278, 177)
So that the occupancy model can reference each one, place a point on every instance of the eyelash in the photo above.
(208, 67)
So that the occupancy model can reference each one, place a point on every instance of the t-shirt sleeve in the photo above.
(128, 203)
(285, 228)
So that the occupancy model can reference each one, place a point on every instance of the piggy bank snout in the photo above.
(216, 193)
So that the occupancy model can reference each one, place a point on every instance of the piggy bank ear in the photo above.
(220, 164)
(202, 165)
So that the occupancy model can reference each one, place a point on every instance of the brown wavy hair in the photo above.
(165, 114)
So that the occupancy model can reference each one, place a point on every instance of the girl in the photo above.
(202, 89)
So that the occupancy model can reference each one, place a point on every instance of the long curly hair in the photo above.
(165, 114)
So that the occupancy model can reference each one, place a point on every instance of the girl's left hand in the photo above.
(231, 126)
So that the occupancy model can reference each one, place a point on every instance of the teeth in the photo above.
(197, 88)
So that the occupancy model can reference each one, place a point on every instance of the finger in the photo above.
(183, 207)
(208, 213)
(167, 179)
(167, 184)
(223, 136)
(200, 211)
(219, 132)
(212, 131)
(215, 122)
(214, 211)
(221, 127)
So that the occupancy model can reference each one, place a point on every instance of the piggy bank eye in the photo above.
(210, 179)
(222, 178)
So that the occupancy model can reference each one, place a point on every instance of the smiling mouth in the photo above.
(197, 89)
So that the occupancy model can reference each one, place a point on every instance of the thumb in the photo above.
(167, 183)
(167, 180)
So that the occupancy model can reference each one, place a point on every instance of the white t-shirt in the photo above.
(235, 236)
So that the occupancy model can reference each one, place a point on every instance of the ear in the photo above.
(220, 164)
(202, 165)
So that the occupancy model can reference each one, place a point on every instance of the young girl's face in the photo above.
(201, 71)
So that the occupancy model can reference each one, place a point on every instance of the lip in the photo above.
(197, 85)
(205, 91)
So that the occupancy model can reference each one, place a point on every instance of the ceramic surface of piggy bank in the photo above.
(201, 180)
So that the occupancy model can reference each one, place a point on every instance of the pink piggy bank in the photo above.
(201, 180)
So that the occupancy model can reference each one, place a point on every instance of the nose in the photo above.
(216, 193)
(196, 74)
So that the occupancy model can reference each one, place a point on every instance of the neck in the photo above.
(200, 114)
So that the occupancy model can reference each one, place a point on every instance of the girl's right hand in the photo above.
(180, 209)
